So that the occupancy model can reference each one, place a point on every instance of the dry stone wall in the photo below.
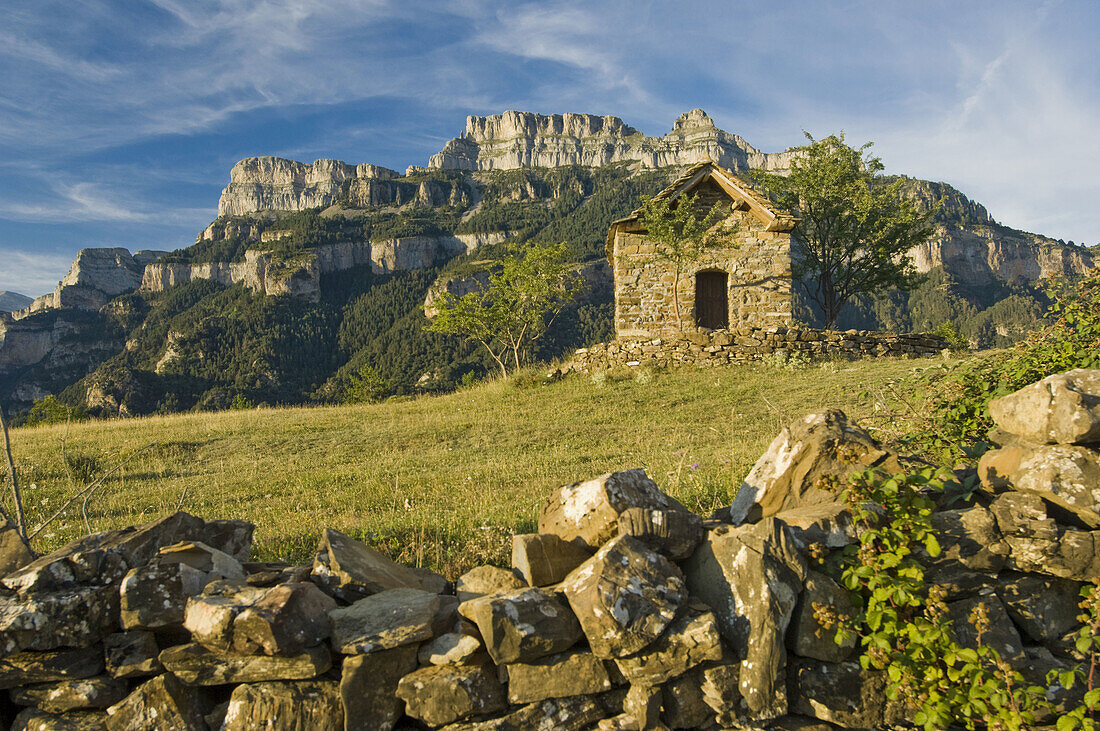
(718, 347)
(624, 611)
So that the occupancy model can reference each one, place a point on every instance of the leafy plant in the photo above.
(958, 419)
(1087, 644)
(855, 229)
(902, 623)
(679, 234)
(517, 307)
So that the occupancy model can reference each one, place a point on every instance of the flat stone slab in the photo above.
(385, 620)
(161, 704)
(61, 696)
(197, 665)
(285, 705)
(46, 621)
(350, 570)
(557, 676)
(43, 667)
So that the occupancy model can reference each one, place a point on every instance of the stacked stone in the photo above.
(716, 347)
(624, 611)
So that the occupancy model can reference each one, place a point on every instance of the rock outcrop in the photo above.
(276, 184)
(96, 276)
(525, 139)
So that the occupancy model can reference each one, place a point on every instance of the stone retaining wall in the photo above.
(750, 344)
(624, 611)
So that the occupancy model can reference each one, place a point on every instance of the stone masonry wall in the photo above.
(750, 344)
(757, 261)
(624, 611)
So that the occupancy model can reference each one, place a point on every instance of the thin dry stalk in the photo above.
(15, 494)
(90, 488)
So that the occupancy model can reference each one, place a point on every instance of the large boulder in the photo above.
(72, 618)
(486, 580)
(806, 637)
(382, 621)
(576, 672)
(1060, 409)
(1040, 544)
(161, 704)
(751, 576)
(350, 570)
(285, 621)
(575, 713)
(368, 686)
(543, 559)
(198, 665)
(442, 694)
(675, 533)
(1000, 633)
(1044, 608)
(132, 654)
(524, 625)
(841, 693)
(1066, 475)
(691, 639)
(806, 464)
(588, 512)
(624, 596)
(155, 595)
(285, 706)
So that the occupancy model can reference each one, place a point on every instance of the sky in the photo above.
(120, 119)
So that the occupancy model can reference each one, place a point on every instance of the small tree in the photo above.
(679, 236)
(515, 309)
(855, 230)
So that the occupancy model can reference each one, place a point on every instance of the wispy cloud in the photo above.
(30, 273)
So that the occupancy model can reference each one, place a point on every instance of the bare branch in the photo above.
(16, 495)
(90, 488)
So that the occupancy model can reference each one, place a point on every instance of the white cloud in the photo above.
(32, 274)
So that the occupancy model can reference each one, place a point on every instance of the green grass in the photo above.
(435, 481)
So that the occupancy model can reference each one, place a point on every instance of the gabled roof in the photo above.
(739, 189)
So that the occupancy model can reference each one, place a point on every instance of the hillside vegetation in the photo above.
(203, 346)
(436, 481)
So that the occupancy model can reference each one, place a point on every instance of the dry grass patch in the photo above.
(435, 481)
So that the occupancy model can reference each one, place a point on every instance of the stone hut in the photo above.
(744, 280)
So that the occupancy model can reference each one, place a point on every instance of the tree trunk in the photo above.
(16, 495)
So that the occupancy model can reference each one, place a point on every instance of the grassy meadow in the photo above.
(436, 481)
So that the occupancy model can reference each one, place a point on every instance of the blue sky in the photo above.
(120, 119)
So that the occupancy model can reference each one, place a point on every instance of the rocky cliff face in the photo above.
(978, 256)
(96, 276)
(275, 184)
(524, 139)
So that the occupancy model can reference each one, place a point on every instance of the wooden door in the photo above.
(712, 300)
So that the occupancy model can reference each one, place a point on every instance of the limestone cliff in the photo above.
(275, 184)
(979, 255)
(95, 277)
(525, 139)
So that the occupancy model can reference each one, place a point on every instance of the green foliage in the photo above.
(955, 341)
(516, 308)
(680, 236)
(902, 623)
(854, 231)
(1087, 644)
(50, 410)
(366, 386)
(958, 420)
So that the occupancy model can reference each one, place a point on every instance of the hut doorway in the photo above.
(712, 300)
